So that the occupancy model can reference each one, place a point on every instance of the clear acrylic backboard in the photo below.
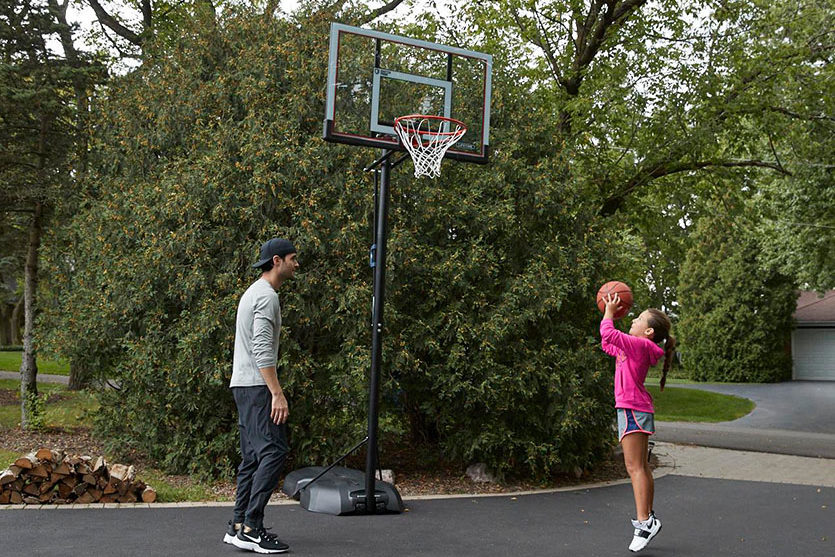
(375, 77)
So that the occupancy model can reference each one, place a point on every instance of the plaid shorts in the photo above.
(634, 421)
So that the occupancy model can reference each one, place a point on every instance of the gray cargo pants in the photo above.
(263, 450)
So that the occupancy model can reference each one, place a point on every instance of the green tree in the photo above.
(659, 104)
(798, 226)
(37, 133)
(212, 146)
(736, 310)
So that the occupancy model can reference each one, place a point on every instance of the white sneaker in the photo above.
(230, 534)
(644, 532)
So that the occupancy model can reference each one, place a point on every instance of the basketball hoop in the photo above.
(427, 139)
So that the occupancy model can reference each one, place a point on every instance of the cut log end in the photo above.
(149, 494)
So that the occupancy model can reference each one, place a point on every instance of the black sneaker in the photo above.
(231, 532)
(259, 541)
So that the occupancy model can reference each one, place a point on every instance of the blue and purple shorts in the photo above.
(634, 421)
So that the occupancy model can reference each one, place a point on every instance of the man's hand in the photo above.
(279, 410)
(278, 406)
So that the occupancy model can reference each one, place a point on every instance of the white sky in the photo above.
(84, 14)
(80, 12)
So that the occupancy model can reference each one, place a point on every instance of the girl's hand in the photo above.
(612, 305)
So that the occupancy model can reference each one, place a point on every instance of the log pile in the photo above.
(46, 476)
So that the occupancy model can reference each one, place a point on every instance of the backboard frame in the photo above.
(384, 136)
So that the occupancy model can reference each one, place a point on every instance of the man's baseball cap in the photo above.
(276, 246)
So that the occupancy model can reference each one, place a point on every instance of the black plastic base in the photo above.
(340, 492)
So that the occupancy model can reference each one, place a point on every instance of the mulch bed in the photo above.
(72, 440)
(11, 397)
(445, 479)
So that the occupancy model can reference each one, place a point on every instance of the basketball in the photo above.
(619, 288)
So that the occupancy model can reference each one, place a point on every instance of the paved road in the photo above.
(42, 377)
(701, 517)
(724, 464)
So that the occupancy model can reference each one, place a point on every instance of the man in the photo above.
(262, 407)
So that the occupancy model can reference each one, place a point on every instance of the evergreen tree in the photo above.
(42, 97)
(736, 310)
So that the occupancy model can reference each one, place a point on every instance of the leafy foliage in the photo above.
(659, 105)
(35, 404)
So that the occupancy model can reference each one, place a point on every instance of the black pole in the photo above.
(377, 333)
(334, 463)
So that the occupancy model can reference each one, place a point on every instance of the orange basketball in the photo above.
(619, 288)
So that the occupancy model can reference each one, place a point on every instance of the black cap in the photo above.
(276, 246)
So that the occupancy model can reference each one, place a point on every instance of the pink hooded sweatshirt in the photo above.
(633, 356)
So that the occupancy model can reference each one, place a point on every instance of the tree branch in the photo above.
(164, 14)
(13, 164)
(382, 10)
(147, 14)
(614, 202)
(109, 21)
(537, 40)
(797, 116)
(597, 29)
(774, 152)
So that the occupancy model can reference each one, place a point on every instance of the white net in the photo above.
(427, 139)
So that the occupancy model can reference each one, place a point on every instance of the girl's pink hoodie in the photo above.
(633, 356)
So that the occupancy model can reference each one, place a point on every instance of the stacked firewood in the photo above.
(46, 476)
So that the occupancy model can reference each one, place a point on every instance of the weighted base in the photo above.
(340, 492)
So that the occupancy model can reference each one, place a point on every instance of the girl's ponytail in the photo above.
(669, 354)
(661, 326)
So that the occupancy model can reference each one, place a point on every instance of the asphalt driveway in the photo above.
(807, 406)
(796, 417)
(700, 516)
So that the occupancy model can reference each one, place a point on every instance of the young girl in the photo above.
(634, 354)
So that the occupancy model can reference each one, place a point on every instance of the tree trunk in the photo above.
(5, 323)
(28, 365)
(79, 376)
(17, 312)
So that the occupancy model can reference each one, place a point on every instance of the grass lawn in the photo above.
(7, 457)
(70, 411)
(10, 361)
(692, 405)
(73, 410)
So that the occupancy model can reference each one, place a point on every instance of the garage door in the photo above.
(813, 351)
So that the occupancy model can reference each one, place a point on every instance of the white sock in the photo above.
(645, 524)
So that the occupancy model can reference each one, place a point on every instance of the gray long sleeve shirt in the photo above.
(257, 329)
